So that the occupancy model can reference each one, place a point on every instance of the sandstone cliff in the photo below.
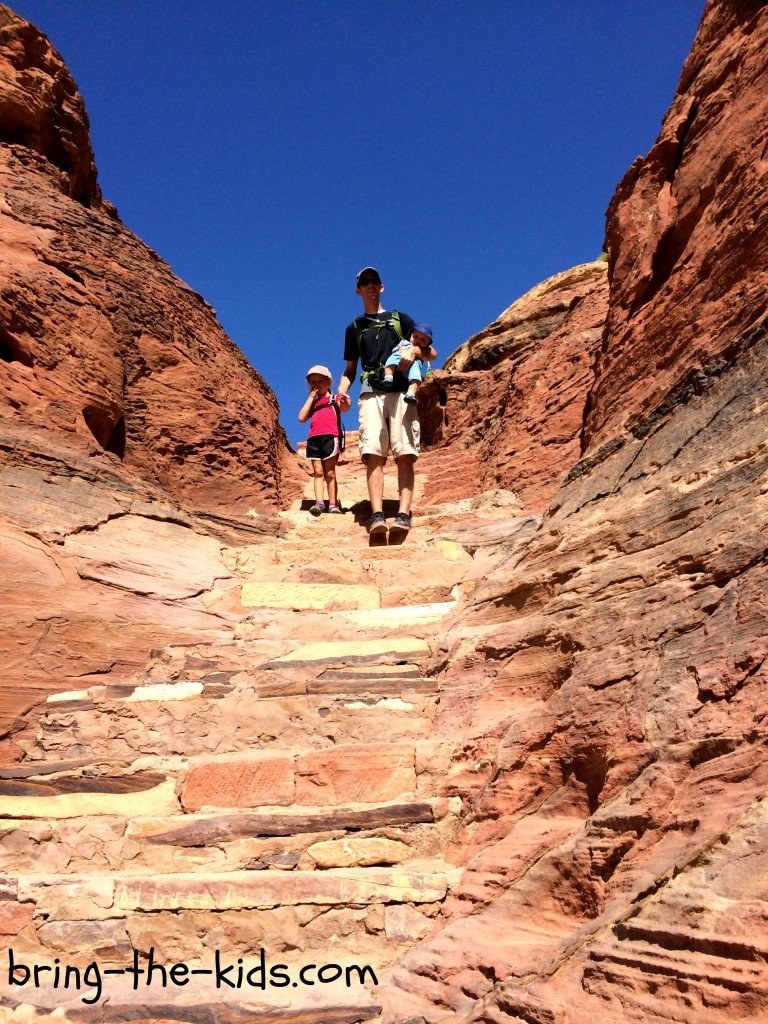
(516, 763)
(125, 412)
(100, 340)
(516, 393)
(610, 677)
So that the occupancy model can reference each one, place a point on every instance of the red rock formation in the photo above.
(99, 338)
(41, 109)
(611, 678)
(686, 230)
(133, 434)
(602, 703)
(516, 394)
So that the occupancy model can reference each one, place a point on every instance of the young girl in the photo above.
(323, 439)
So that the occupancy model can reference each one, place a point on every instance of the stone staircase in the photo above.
(278, 791)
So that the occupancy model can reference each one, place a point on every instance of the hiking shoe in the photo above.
(378, 523)
(402, 523)
(335, 510)
(409, 398)
(317, 509)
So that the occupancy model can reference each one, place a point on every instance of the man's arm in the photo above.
(407, 357)
(347, 379)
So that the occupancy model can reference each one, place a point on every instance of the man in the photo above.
(386, 420)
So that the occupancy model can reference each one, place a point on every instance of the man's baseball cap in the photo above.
(321, 371)
(368, 270)
(423, 329)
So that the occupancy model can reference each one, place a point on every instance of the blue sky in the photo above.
(268, 150)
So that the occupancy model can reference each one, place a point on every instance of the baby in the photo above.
(421, 337)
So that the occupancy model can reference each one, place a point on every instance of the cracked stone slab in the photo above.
(247, 781)
(356, 773)
(309, 595)
(362, 650)
(149, 556)
(133, 796)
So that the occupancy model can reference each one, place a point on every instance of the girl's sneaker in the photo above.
(335, 510)
(317, 509)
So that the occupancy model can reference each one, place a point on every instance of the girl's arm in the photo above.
(306, 409)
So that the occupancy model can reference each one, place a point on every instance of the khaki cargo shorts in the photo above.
(388, 422)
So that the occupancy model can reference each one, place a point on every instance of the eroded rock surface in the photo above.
(686, 231)
(98, 567)
(98, 337)
(134, 437)
(516, 393)
(519, 768)
(611, 672)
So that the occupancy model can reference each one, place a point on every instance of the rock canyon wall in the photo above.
(610, 675)
(516, 393)
(131, 428)
(517, 763)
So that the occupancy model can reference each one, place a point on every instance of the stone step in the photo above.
(368, 592)
(76, 897)
(337, 774)
(297, 551)
(341, 774)
(309, 595)
(286, 838)
(398, 580)
(352, 652)
(332, 625)
(374, 680)
(250, 651)
(403, 615)
(77, 795)
(238, 717)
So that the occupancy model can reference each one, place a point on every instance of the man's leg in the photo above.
(405, 434)
(374, 468)
(374, 444)
(405, 480)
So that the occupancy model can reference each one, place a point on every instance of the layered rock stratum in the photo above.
(516, 765)
(517, 393)
(609, 677)
(132, 431)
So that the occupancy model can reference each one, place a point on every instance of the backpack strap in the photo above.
(342, 433)
(392, 321)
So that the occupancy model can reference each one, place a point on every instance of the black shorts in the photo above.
(322, 446)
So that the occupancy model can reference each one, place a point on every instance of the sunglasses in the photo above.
(366, 281)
